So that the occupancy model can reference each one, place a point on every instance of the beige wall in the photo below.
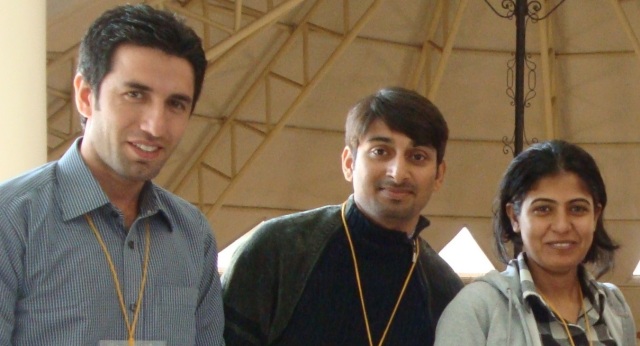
(22, 86)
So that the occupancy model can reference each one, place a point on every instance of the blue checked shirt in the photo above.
(55, 284)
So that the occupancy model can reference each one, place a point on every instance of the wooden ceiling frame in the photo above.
(64, 110)
(421, 79)
(446, 51)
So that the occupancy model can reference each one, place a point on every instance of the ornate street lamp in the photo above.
(521, 10)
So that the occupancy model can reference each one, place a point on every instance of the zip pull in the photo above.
(415, 251)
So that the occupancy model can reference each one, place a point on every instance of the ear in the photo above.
(83, 96)
(347, 164)
(597, 212)
(513, 217)
(442, 168)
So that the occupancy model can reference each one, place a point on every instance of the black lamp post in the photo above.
(521, 10)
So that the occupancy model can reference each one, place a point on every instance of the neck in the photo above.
(562, 291)
(399, 225)
(125, 198)
(122, 193)
(552, 283)
(407, 228)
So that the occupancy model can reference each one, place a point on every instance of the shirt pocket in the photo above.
(177, 312)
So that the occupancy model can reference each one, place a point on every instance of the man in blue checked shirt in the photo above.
(91, 251)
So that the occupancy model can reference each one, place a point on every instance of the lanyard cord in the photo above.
(564, 323)
(355, 266)
(131, 328)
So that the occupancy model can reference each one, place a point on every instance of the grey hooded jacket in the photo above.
(491, 311)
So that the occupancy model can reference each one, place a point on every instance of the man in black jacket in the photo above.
(356, 273)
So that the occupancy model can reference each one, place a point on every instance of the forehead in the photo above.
(378, 130)
(152, 67)
(560, 185)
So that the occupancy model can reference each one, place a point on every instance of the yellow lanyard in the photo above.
(355, 266)
(564, 323)
(131, 328)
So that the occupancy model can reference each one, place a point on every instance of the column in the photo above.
(23, 98)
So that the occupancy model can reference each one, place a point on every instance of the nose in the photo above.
(398, 169)
(154, 120)
(562, 222)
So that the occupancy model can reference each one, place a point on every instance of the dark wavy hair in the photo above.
(402, 110)
(525, 170)
(140, 25)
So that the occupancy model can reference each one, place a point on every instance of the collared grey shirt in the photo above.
(55, 284)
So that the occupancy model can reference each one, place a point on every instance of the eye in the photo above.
(378, 151)
(178, 104)
(542, 209)
(134, 94)
(419, 156)
(579, 209)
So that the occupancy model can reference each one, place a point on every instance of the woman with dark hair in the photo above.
(550, 209)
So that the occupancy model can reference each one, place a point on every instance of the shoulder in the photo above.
(304, 219)
(182, 214)
(293, 241)
(610, 290)
(27, 185)
(434, 266)
(481, 313)
(614, 297)
(482, 299)
(31, 193)
(303, 226)
(290, 237)
(485, 293)
(489, 289)
(617, 314)
(178, 208)
(172, 201)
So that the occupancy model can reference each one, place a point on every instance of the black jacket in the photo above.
(268, 274)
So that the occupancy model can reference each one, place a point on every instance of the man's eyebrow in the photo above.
(379, 139)
(139, 86)
(383, 139)
(182, 97)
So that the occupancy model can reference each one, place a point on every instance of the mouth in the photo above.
(146, 151)
(562, 245)
(146, 148)
(396, 192)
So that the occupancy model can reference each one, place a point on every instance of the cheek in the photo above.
(528, 229)
(588, 229)
(177, 127)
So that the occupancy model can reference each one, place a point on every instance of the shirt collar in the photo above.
(81, 193)
(595, 293)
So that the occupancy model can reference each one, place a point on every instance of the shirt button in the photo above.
(131, 244)
(132, 307)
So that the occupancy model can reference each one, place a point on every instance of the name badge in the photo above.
(135, 343)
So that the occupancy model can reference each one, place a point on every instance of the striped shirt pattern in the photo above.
(55, 282)
(552, 331)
